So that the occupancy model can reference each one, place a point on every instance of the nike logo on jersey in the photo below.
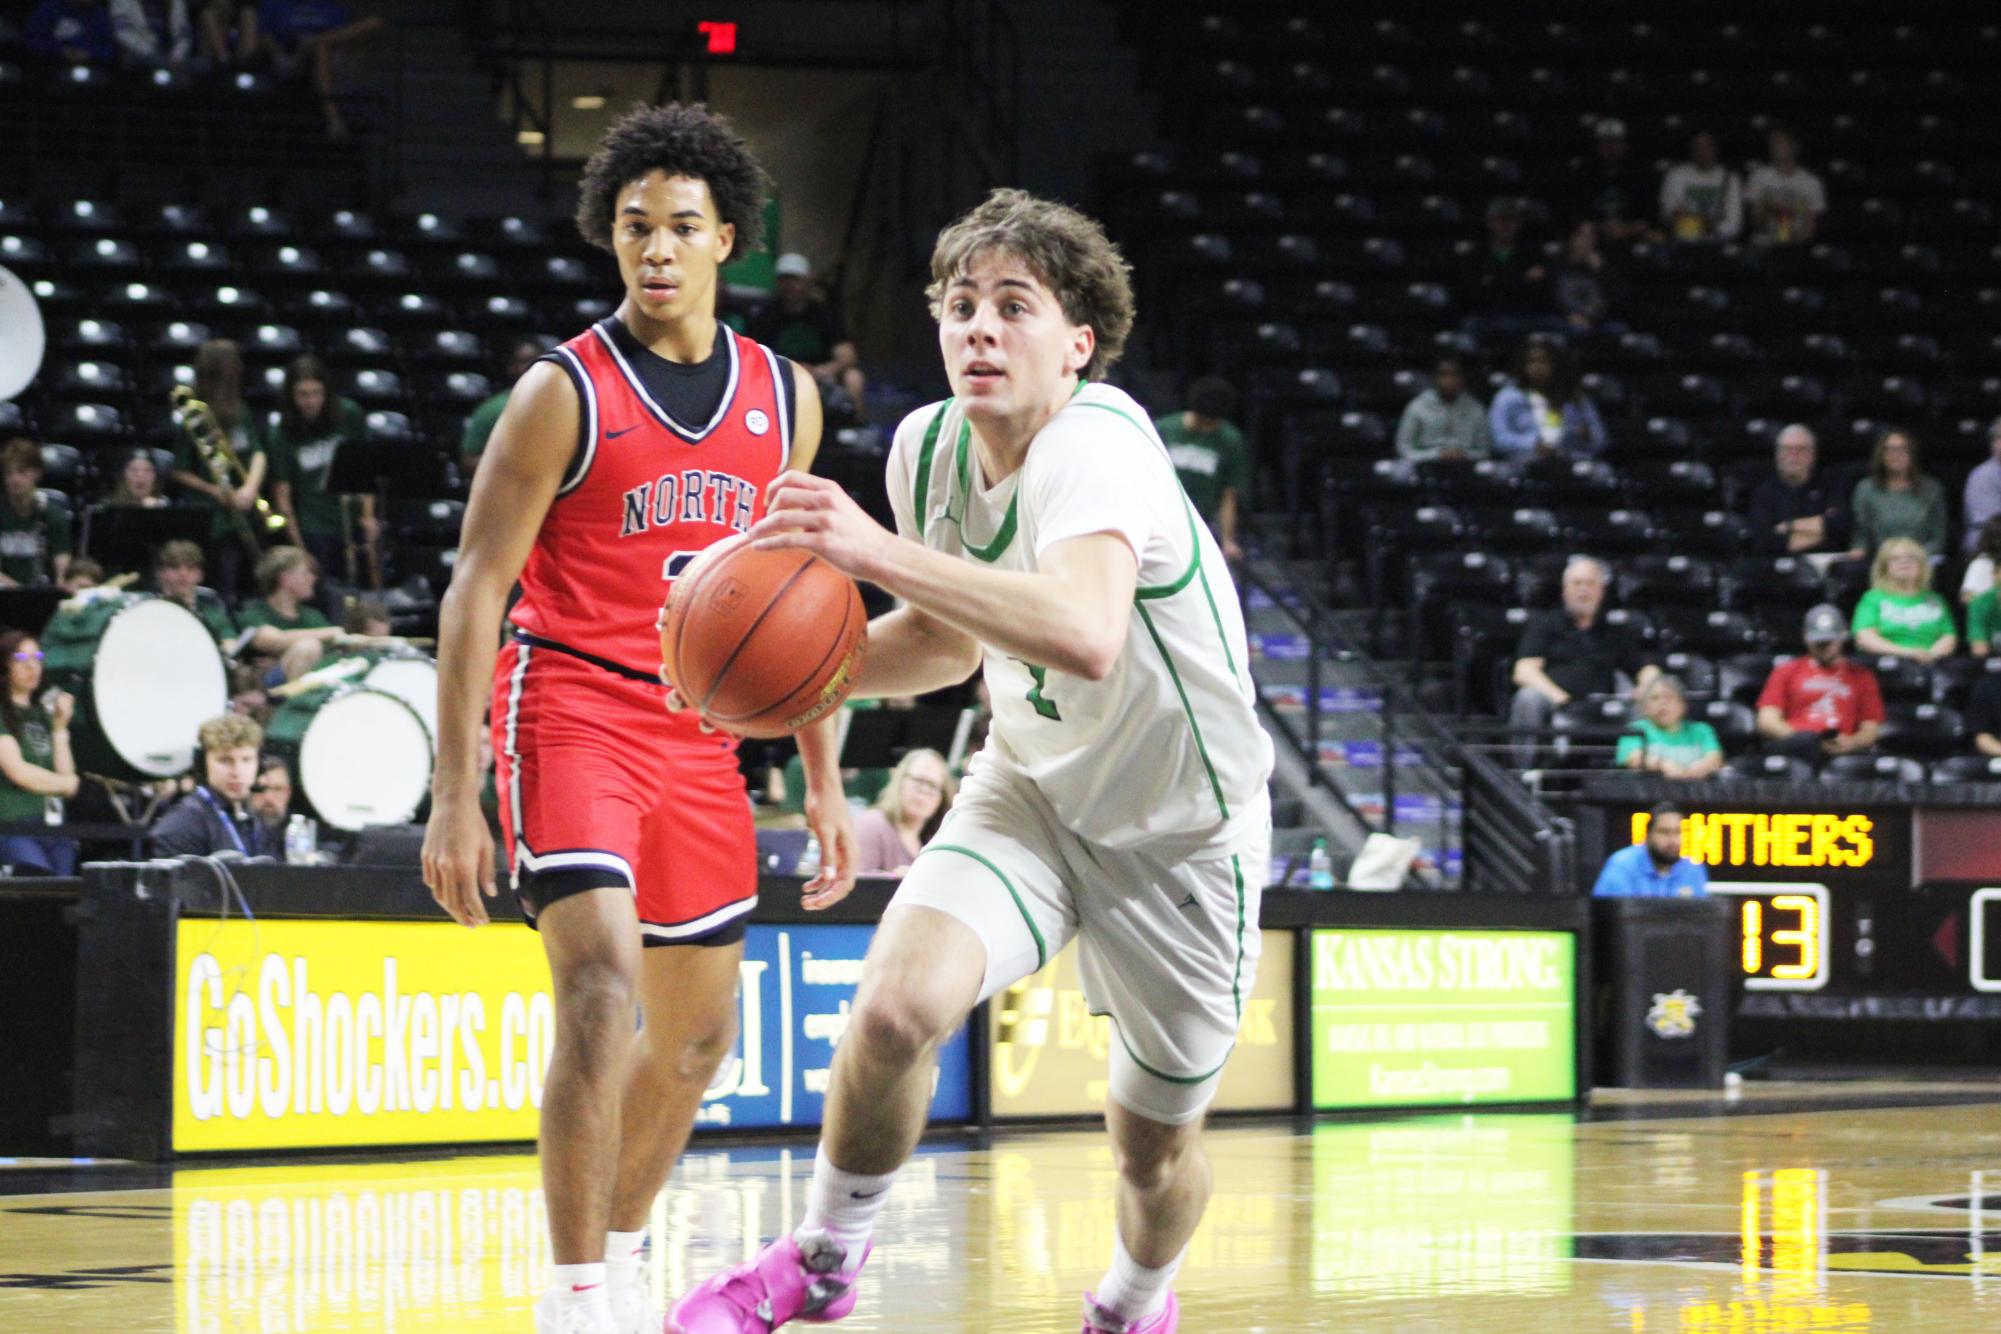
(613, 435)
(1188, 902)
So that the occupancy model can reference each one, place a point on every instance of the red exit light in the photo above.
(721, 37)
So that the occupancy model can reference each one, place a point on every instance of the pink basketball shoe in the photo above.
(791, 1279)
(1097, 1320)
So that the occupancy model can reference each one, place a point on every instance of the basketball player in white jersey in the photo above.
(1042, 535)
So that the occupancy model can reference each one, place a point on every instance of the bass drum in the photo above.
(146, 674)
(362, 756)
(412, 678)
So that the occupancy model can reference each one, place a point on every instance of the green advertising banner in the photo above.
(1417, 1018)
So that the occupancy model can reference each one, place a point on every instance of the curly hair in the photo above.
(679, 140)
(1068, 253)
(230, 731)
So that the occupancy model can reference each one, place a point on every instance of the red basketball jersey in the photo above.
(645, 494)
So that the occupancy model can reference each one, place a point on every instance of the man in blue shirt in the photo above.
(1654, 869)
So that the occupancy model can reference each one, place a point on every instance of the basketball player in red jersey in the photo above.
(620, 456)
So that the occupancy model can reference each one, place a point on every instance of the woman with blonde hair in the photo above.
(1900, 616)
(912, 806)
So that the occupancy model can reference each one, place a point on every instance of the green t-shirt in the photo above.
(1983, 617)
(1907, 620)
(29, 544)
(38, 746)
(306, 461)
(248, 442)
(480, 423)
(1208, 465)
(1683, 746)
(261, 612)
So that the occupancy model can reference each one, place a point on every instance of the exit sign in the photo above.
(721, 37)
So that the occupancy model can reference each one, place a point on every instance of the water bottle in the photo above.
(809, 860)
(1320, 867)
(302, 841)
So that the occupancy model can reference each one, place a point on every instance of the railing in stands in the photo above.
(1512, 843)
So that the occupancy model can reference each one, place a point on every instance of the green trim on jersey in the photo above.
(1194, 567)
(1162, 1074)
(1041, 946)
(1195, 728)
(993, 550)
(1229, 658)
(1237, 975)
(921, 501)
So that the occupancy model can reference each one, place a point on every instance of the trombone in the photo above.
(224, 466)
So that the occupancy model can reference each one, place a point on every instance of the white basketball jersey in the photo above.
(1166, 752)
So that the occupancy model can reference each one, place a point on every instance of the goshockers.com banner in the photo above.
(325, 1034)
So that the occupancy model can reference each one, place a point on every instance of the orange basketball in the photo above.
(762, 642)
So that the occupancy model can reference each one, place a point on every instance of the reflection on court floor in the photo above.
(1793, 1221)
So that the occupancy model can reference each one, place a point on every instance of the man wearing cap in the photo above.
(1609, 189)
(1983, 488)
(1820, 703)
(799, 325)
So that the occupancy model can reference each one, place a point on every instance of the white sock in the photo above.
(1130, 1290)
(621, 1253)
(579, 1284)
(844, 1205)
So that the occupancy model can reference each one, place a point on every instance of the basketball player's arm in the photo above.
(524, 464)
(1070, 615)
(819, 746)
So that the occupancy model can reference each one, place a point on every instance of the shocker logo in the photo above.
(1023, 1031)
(1673, 1014)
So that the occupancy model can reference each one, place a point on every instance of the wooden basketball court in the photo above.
(1793, 1207)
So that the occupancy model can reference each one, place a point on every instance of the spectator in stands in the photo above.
(1701, 199)
(271, 799)
(1786, 199)
(1654, 867)
(246, 693)
(36, 767)
(1983, 488)
(1543, 413)
(1581, 284)
(312, 424)
(1796, 510)
(1900, 616)
(177, 573)
(1662, 741)
(1897, 499)
(365, 617)
(83, 573)
(219, 383)
(291, 635)
(76, 31)
(1570, 653)
(480, 422)
(1979, 576)
(217, 817)
(1504, 281)
(34, 529)
(154, 34)
(1820, 703)
(1445, 421)
(307, 34)
(229, 31)
(908, 812)
(1612, 190)
(138, 482)
(1983, 715)
(1983, 623)
(798, 324)
(1210, 456)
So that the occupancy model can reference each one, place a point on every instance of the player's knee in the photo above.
(695, 1057)
(895, 1027)
(1152, 1163)
(595, 996)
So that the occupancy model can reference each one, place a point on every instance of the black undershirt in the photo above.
(689, 391)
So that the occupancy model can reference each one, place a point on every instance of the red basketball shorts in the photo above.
(599, 786)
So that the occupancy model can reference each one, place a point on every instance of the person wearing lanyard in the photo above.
(216, 817)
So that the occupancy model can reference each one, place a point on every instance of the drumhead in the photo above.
(415, 682)
(365, 760)
(156, 678)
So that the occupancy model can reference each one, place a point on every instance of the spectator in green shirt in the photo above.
(1210, 456)
(480, 423)
(36, 766)
(1900, 616)
(1663, 742)
(34, 531)
(290, 635)
(1897, 499)
(177, 573)
(1983, 621)
(219, 384)
(312, 424)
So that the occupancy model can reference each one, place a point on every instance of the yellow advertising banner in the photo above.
(1049, 1050)
(322, 1034)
